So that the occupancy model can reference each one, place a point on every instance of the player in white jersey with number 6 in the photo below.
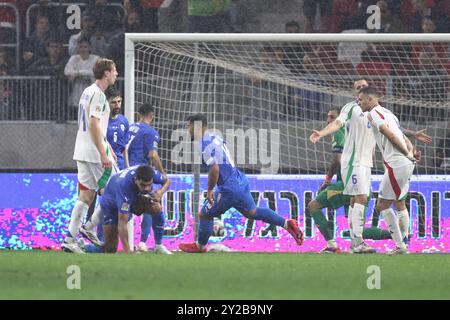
(96, 161)
(356, 163)
(399, 156)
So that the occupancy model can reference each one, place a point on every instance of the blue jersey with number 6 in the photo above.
(117, 136)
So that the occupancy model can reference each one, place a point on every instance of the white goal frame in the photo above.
(132, 38)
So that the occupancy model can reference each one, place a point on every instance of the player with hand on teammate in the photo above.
(227, 187)
(399, 156)
(356, 163)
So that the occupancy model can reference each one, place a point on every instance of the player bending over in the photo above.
(227, 187)
(399, 157)
(122, 195)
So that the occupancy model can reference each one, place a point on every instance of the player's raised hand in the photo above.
(106, 163)
(423, 137)
(210, 197)
(315, 136)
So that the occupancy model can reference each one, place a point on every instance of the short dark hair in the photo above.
(145, 173)
(198, 117)
(369, 91)
(101, 66)
(112, 92)
(337, 109)
(146, 108)
(53, 40)
(84, 38)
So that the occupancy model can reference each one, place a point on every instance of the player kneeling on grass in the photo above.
(130, 191)
(227, 187)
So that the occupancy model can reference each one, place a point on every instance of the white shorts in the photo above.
(356, 180)
(395, 183)
(92, 176)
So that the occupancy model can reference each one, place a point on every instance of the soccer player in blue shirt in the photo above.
(121, 193)
(117, 134)
(143, 149)
(227, 187)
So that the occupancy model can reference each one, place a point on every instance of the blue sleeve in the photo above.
(158, 177)
(209, 153)
(126, 136)
(150, 140)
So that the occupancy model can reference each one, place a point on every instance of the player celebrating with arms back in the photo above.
(93, 154)
(399, 157)
(227, 187)
(356, 163)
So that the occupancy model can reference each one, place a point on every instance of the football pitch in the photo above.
(246, 276)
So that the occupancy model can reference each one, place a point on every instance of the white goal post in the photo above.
(273, 89)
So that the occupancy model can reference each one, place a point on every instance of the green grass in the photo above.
(42, 275)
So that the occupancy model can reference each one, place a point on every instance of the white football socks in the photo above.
(95, 219)
(403, 222)
(78, 213)
(392, 223)
(358, 220)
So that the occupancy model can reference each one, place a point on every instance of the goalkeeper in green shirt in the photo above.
(330, 195)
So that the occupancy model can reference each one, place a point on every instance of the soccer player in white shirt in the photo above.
(93, 154)
(356, 163)
(399, 157)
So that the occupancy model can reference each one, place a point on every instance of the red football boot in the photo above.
(191, 247)
(294, 230)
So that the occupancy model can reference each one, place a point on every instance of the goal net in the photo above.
(265, 93)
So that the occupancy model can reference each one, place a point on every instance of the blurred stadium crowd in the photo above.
(44, 62)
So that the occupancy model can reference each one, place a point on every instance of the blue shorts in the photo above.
(241, 199)
(111, 214)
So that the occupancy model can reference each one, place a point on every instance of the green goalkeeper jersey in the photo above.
(337, 145)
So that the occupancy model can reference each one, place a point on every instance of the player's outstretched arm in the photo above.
(332, 170)
(97, 138)
(123, 232)
(329, 129)
(213, 177)
(418, 135)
